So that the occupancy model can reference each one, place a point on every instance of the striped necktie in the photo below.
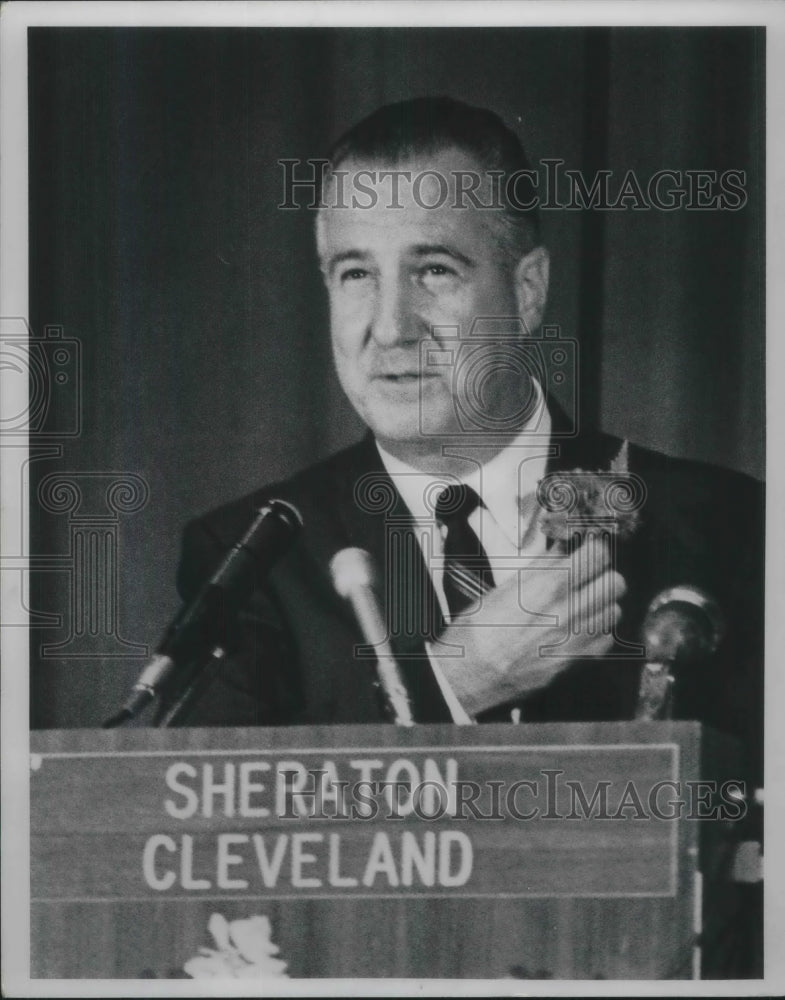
(467, 571)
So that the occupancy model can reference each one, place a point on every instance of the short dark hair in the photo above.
(426, 125)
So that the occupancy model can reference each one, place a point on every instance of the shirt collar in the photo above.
(500, 482)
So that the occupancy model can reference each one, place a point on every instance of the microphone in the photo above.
(197, 633)
(353, 578)
(682, 624)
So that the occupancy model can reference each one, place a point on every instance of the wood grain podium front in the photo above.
(534, 851)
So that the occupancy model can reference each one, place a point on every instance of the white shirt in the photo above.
(506, 485)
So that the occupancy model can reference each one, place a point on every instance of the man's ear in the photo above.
(318, 231)
(531, 286)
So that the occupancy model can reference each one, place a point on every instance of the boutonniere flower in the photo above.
(578, 500)
(244, 950)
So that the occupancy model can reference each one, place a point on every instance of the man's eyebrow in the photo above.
(426, 249)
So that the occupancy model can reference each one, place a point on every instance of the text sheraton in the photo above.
(288, 789)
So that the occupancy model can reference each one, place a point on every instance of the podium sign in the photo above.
(566, 851)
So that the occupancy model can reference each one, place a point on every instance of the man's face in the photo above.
(401, 276)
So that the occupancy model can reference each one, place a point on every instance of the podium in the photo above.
(580, 851)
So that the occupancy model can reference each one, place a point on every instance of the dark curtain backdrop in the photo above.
(157, 243)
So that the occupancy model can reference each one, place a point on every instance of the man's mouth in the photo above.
(406, 377)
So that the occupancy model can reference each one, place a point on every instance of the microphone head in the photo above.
(273, 530)
(682, 623)
(287, 512)
(352, 568)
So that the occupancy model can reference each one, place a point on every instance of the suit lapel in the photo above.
(589, 450)
(376, 519)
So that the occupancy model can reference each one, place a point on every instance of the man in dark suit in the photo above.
(437, 282)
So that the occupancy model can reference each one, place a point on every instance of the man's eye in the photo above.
(437, 275)
(353, 274)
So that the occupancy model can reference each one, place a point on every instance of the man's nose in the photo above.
(395, 319)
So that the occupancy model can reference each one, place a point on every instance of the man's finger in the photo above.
(591, 558)
(596, 604)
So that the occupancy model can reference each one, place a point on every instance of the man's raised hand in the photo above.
(528, 630)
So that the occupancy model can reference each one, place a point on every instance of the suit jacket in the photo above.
(291, 648)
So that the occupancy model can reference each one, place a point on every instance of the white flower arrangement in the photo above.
(244, 951)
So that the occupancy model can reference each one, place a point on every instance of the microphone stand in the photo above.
(202, 672)
(353, 576)
(194, 642)
(192, 691)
